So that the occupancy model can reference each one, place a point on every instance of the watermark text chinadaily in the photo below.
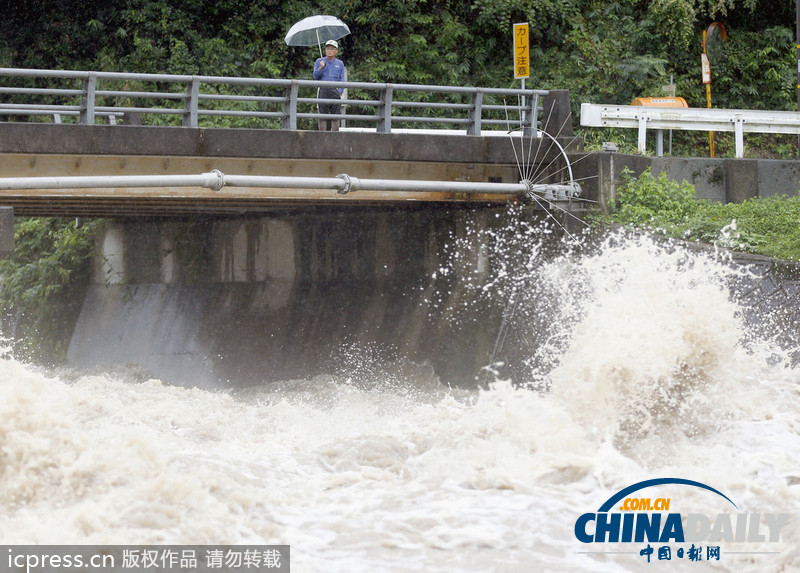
(638, 519)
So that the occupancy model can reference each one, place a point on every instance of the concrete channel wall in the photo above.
(243, 301)
(725, 180)
(236, 302)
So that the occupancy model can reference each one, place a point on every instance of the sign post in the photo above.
(705, 66)
(522, 58)
(706, 71)
(797, 37)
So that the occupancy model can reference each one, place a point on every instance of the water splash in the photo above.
(655, 337)
(644, 367)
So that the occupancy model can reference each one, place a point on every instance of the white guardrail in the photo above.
(643, 118)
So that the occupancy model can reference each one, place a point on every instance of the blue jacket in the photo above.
(332, 72)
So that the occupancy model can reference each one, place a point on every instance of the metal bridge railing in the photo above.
(213, 101)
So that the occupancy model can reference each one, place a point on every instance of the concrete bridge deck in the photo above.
(53, 150)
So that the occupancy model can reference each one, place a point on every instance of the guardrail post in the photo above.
(642, 133)
(290, 106)
(191, 103)
(385, 110)
(474, 125)
(88, 99)
(738, 131)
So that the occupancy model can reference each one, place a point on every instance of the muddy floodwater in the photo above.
(648, 371)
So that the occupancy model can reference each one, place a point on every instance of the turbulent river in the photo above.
(648, 371)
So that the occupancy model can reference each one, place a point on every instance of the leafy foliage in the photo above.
(766, 226)
(655, 201)
(602, 51)
(43, 284)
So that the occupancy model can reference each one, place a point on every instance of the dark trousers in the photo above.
(329, 108)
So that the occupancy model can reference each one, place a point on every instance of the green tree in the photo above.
(43, 284)
(601, 50)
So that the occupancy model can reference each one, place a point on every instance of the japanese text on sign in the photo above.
(522, 58)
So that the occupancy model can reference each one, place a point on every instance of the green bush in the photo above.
(767, 226)
(603, 52)
(43, 283)
(656, 202)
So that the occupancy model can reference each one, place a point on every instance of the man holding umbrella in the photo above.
(312, 31)
(330, 69)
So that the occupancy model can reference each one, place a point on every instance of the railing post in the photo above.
(290, 106)
(738, 132)
(474, 125)
(87, 99)
(191, 103)
(531, 128)
(642, 133)
(385, 110)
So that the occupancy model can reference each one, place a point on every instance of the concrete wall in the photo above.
(290, 293)
(285, 296)
(30, 150)
(293, 293)
(725, 180)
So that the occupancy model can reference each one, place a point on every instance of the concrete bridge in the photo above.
(204, 288)
(200, 287)
(240, 286)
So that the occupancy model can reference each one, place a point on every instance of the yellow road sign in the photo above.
(522, 55)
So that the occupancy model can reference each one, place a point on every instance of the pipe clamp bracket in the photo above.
(220, 181)
(348, 184)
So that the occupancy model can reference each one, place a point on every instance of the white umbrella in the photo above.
(315, 30)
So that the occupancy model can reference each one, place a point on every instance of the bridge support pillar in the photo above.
(224, 301)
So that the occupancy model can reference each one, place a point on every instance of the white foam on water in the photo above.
(656, 377)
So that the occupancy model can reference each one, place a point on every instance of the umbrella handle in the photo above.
(319, 44)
